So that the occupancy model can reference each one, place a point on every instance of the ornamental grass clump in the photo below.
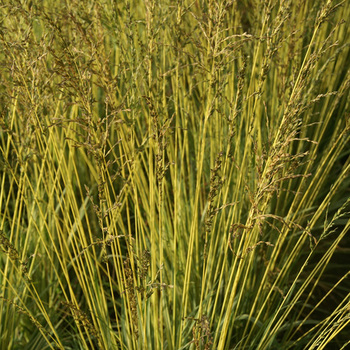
(174, 175)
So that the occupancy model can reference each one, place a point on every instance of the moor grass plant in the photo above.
(174, 174)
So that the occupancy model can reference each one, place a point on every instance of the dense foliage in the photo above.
(174, 174)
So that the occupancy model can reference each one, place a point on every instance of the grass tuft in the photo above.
(174, 175)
